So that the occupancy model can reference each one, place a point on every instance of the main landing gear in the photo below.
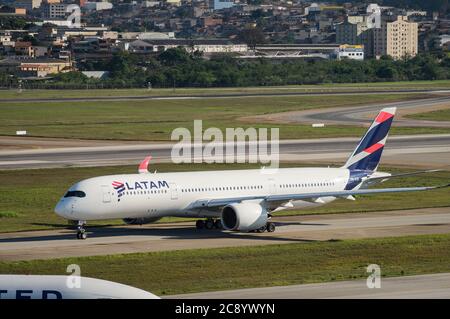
(210, 223)
(269, 227)
(81, 232)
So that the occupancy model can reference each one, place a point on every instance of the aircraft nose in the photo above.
(62, 208)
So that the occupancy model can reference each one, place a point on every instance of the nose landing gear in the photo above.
(81, 232)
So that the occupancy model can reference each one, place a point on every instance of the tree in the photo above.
(71, 77)
(252, 36)
(386, 72)
(30, 38)
(174, 56)
(122, 65)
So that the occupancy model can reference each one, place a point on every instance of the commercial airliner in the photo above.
(62, 287)
(239, 200)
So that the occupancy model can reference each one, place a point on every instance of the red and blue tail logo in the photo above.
(368, 152)
(120, 188)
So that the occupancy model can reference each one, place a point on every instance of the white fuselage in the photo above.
(156, 195)
(66, 287)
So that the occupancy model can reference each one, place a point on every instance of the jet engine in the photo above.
(244, 217)
(140, 221)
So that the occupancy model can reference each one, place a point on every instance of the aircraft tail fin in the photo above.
(367, 154)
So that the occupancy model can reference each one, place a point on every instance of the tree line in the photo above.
(178, 68)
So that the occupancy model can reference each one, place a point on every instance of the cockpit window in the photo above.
(75, 194)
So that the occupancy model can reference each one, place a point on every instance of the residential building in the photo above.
(24, 48)
(54, 11)
(5, 37)
(31, 67)
(444, 40)
(6, 10)
(221, 4)
(98, 6)
(355, 33)
(174, 2)
(348, 33)
(81, 3)
(211, 21)
(314, 8)
(397, 39)
(28, 4)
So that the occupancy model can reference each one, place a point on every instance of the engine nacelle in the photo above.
(244, 217)
(140, 221)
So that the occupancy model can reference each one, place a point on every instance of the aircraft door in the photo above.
(272, 186)
(106, 193)
(173, 191)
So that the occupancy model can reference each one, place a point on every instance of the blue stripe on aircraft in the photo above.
(375, 135)
(370, 162)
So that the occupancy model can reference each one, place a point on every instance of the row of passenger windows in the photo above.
(307, 185)
(226, 188)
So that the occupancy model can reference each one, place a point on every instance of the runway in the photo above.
(176, 236)
(359, 115)
(434, 286)
(429, 151)
(279, 92)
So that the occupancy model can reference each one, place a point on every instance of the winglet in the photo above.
(143, 166)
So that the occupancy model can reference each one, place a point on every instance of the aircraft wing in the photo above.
(345, 193)
(214, 203)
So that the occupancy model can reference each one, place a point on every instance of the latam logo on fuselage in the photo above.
(121, 187)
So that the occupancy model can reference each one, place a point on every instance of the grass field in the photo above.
(28, 197)
(331, 87)
(156, 119)
(440, 115)
(258, 266)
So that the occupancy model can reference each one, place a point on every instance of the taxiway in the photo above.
(175, 236)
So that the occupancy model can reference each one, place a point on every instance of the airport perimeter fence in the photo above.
(94, 86)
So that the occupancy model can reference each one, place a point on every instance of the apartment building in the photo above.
(54, 11)
(355, 31)
(397, 39)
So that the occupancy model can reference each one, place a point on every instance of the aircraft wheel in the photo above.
(270, 227)
(218, 224)
(261, 230)
(209, 224)
(200, 224)
(81, 234)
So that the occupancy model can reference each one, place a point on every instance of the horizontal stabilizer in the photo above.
(381, 179)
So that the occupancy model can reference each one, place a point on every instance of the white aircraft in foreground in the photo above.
(241, 200)
(63, 287)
